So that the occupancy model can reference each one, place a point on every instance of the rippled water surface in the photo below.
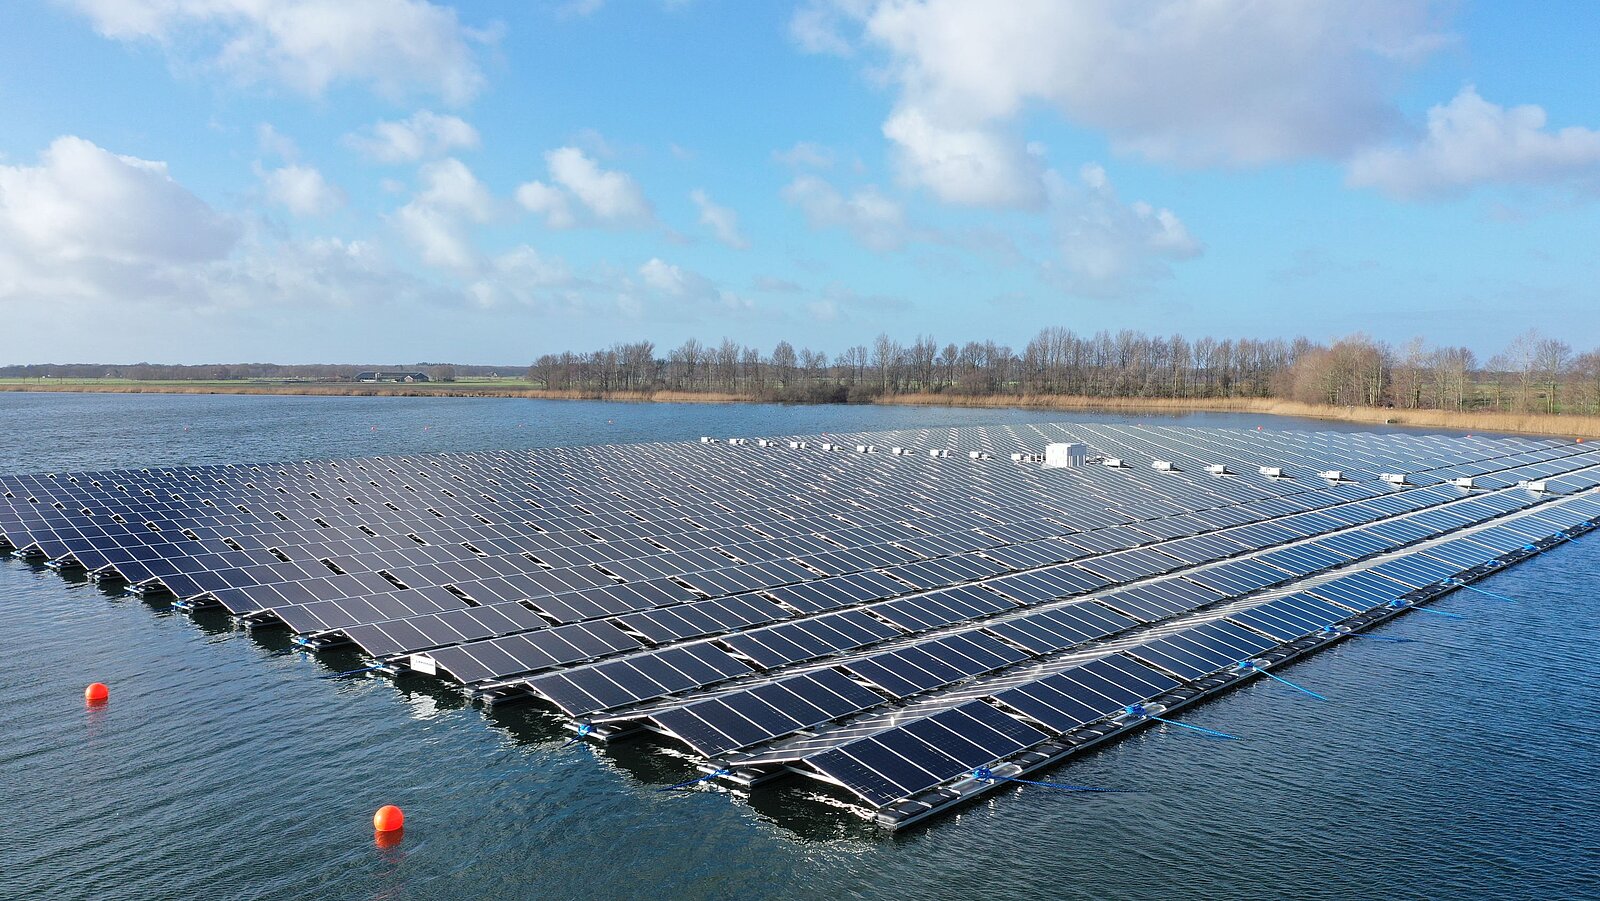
(1464, 765)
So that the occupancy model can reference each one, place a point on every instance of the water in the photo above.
(1460, 766)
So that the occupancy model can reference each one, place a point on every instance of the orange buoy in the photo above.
(96, 693)
(389, 818)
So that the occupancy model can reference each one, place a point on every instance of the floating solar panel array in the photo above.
(905, 616)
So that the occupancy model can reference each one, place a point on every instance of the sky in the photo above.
(190, 181)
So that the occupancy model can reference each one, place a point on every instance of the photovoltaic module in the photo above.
(911, 617)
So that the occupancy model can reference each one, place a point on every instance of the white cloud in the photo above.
(276, 143)
(436, 220)
(806, 155)
(425, 135)
(818, 26)
(723, 222)
(302, 190)
(397, 46)
(1471, 142)
(1109, 248)
(525, 277)
(1195, 82)
(606, 197)
(85, 222)
(969, 166)
(551, 203)
(688, 290)
(610, 195)
(874, 219)
(669, 279)
(89, 236)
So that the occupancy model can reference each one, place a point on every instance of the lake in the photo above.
(1462, 765)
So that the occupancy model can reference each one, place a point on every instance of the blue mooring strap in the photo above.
(1442, 613)
(1250, 665)
(1201, 729)
(1138, 710)
(1483, 591)
(1406, 605)
(1368, 635)
(984, 774)
(583, 730)
(351, 672)
(692, 782)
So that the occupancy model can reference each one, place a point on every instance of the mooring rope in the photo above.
(1483, 591)
(583, 730)
(1398, 604)
(1329, 633)
(984, 774)
(1248, 665)
(693, 782)
(1138, 710)
(351, 672)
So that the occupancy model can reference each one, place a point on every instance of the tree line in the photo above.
(1533, 374)
(225, 372)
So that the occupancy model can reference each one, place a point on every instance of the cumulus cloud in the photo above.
(302, 190)
(839, 303)
(85, 222)
(1109, 248)
(819, 26)
(875, 220)
(436, 221)
(396, 46)
(90, 236)
(525, 277)
(275, 143)
(1471, 142)
(687, 290)
(425, 135)
(806, 155)
(970, 166)
(723, 222)
(1194, 82)
(581, 192)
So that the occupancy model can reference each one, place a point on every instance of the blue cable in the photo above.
(1485, 591)
(692, 782)
(351, 672)
(984, 774)
(583, 729)
(1378, 637)
(1247, 665)
(1398, 604)
(1138, 710)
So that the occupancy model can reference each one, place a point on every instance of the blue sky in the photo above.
(400, 180)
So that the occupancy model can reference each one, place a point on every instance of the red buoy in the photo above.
(96, 693)
(389, 818)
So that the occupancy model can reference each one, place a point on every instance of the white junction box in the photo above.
(1062, 454)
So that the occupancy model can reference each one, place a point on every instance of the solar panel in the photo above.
(884, 622)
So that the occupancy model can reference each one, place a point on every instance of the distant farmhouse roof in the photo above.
(383, 375)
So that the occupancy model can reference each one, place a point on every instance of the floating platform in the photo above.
(911, 618)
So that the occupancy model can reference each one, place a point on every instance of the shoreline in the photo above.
(1541, 424)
